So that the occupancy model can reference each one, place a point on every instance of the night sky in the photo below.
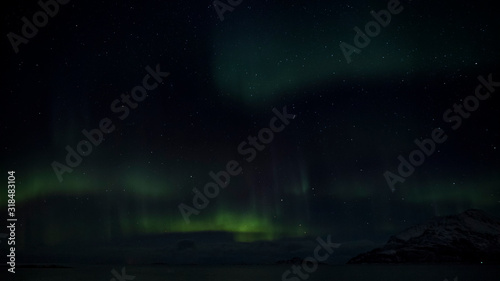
(322, 174)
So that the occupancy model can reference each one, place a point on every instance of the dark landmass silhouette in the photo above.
(469, 237)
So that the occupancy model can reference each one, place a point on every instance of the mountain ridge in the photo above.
(469, 237)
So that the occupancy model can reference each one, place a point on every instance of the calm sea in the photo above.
(265, 273)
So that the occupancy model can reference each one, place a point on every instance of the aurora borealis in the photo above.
(321, 175)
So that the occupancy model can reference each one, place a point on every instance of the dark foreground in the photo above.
(263, 273)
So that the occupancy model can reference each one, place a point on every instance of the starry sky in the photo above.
(322, 175)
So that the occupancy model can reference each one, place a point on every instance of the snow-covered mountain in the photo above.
(469, 237)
